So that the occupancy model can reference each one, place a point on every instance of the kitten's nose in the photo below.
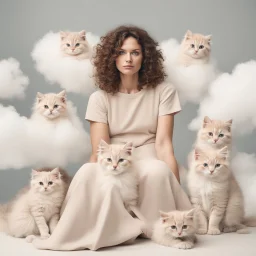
(114, 166)
(215, 140)
(72, 49)
(211, 171)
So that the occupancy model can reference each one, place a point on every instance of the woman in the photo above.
(134, 104)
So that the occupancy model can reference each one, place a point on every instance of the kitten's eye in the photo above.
(192, 46)
(217, 165)
(210, 134)
(50, 183)
(77, 44)
(205, 164)
(184, 227)
(45, 106)
(68, 45)
(109, 159)
(56, 106)
(41, 183)
(221, 135)
(201, 47)
(173, 227)
(121, 160)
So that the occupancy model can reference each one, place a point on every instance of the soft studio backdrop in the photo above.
(23, 23)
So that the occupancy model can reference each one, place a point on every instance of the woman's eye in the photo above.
(173, 227)
(68, 45)
(221, 135)
(210, 134)
(45, 106)
(192, 46)
(205, 164)
(41, 183)
(77, 44)
(56, 106)
(121, 52)
(136, 53)
(217, 165)
(50, 183)
(201, 47)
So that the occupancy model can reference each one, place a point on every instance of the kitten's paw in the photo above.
(30, 239)
(201, 231)
(213, 231)
(184, 245)
(45, 236)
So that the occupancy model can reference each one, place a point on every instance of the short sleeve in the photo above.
(96, 109)
(169, 100)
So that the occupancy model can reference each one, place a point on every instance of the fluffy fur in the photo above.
(175, 229)
(215, 193)
(194, 49)
(116, 163)
(75, 44)
(36, 209)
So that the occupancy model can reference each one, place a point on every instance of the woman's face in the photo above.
(130, 57)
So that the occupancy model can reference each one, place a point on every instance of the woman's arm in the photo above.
(164, 147)
(98, 131)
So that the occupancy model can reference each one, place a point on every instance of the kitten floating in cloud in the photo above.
(13, 82)
(189, 66)
(36, 209)
(65, 58)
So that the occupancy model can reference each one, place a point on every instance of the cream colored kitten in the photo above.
(51, 106)
(175, 229)
(215, 193)
(194, 49)
(75, 44)
(214, 134)
(116, 163)
(36, 209)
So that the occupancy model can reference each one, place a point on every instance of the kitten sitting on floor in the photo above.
(175, 229)
(36, 209)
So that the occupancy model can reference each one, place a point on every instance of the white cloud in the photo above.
(191, 82)
(13, 82)
(244, 168)
(71, 74)
(232, 96)
(26, 142)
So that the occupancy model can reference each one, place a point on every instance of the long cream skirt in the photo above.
(91, 219)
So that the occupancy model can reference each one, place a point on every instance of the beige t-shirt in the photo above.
(133, 117)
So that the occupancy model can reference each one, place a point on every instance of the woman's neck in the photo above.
(129, 84)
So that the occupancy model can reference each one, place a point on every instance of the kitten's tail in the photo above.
(250, 221)
(3, 218)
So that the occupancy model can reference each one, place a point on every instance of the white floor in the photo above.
(223, 245)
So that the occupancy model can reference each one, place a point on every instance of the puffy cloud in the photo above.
(13, 82)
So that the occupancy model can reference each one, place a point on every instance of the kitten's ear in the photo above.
(103, 145)
(206, 121)
(188, 35)
(56, 173)
(128, 148)
(197, 153)
(208, 39)
(229, 123)
(223, 153)
(164, 216)
(34, 173)
(82, 34)
(63, 96)
(190, 213)
(63, 35)
(39, 96)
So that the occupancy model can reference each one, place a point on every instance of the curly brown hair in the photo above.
(107, 76)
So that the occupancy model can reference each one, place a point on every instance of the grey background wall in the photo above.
(231, 22)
